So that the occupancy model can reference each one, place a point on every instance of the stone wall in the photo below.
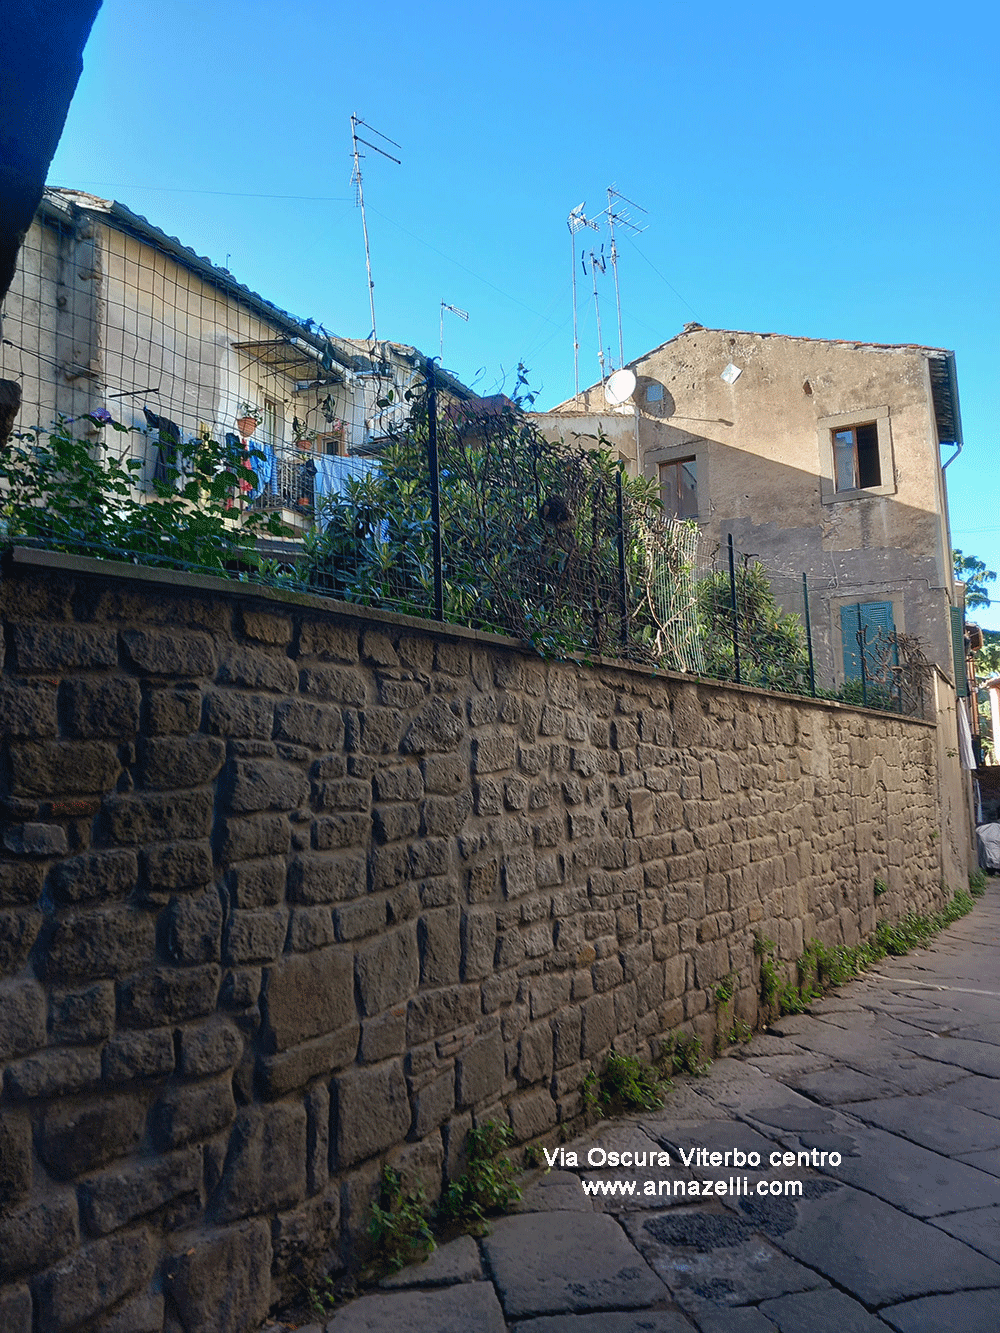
(288, 891)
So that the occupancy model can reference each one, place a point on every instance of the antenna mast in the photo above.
(623, 218)
(462, 314)
(597, 262)
(356, 182)
(575, 222)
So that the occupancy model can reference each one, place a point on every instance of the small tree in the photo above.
(772, 643)
(974, 574)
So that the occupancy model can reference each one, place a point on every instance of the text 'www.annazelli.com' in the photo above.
(734, 1186)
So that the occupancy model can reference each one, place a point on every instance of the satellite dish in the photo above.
(620, 387)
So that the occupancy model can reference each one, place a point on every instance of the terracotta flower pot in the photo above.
(246, 426)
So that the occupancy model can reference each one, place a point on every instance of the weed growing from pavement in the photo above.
(487, 1185)
(821, 966)
(400, 1225)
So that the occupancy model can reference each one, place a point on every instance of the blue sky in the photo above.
(826, 172)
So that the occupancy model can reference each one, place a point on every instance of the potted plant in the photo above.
(304, 437)
(247, 419)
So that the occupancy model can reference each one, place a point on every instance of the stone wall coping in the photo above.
(189, 581)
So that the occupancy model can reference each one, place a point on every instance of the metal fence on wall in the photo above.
(470, 517)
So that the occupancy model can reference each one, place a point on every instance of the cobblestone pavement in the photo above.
(898, 1072)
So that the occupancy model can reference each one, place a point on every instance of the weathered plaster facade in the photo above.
(764, 459)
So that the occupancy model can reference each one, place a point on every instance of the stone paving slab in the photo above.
(645, 1321)
(976, 1092)
(964, 1312)
(905, 1075)
(933, 1123)
(552, 1263)
(838, 1085)
(870, 1250)
(472, 1305)
(988, 1161)
(978, 1057)
(714, 1258)
(458, 1261)
(745, 1319)
(821, 1312)
(979, 1228)
(556, 1191)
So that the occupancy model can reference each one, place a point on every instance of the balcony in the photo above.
(296, 481)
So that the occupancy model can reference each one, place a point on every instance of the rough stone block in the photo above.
(192, 1111)
(384, 1036)
(317, 1104)
(440, 946)
(261, 835)
(28, 708)
(82, 1136)
(173, 710)
(283, 1073)
(346, 687)
(317, 726)
(15, 1156)
(16, 1310)
(326, 879)
(20, 883)
(265, 626)
(62, 768)
(209, 1048)
(94, 876)
(254, 884)
(160, 652)
(37, 1234)
(445, 774)
(132, 1055)
(359, 1133)
(257, 785)
(18, 931)
(103, 943)
(172, 762)
(83, 1015)
(168, 995)
(176, 866)
(220, 1281)
(306, 995)
(436, 728)
(342, 794)
(432, 1013)
(54, 647)
(532, 1114)
(387, 970)
(478, 942)
(255, 669)
(266, 1162)
(330, 643)
(137, 819)
(142, 1313)
(479, 1071)
(256, 937)
(392, 823)
(310, 928)
(35, 840)
(231, 713)
(535, 1053)
(598, 1024)
(99, 707)
(192, 929)
(93, 1279)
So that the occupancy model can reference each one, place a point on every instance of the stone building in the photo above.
(819, 457)
(106, 311)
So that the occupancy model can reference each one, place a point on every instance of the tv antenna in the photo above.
(576, 221)
(597, 261)
(462, 314)
(360, 195)
(617, 214)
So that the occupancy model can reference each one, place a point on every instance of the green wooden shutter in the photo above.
(875, 617)
(958, 651)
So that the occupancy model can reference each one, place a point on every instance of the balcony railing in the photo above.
(299, 480)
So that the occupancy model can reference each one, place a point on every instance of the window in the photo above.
(679, 488)
(855, 457)
(871, 623)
